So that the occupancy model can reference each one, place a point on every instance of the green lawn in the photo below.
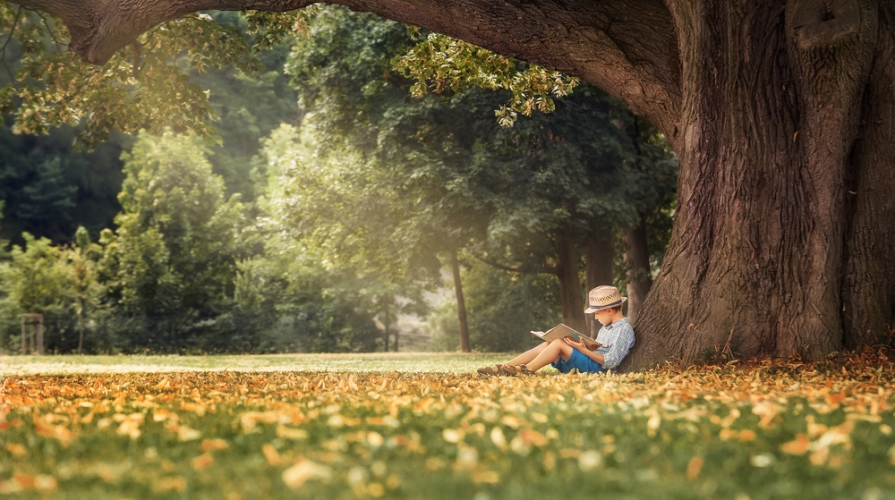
(366, 362)
(393, 426)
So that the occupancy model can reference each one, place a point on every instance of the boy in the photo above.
(616, 337)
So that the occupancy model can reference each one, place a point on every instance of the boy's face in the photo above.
(604, 316)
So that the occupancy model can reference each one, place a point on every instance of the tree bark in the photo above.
(598, 257)
(782, 113)
(868, 289)
(569, 282)
(461, 304)
(638, 269)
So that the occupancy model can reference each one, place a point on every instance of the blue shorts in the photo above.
(577, 361)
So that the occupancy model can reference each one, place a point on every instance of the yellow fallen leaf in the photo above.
(169, 484)
(798, 446)
(291, 432)
(452, 435)
(214, 444)
(498, 438)
(486, 476)
(20, 482)
(203, 461)
(251, 419)
(589, 460)
(59, 432)
(694, 467)
(272, 455)
(303, 471)
(532, 437)
(653, 423)
(16, 449)
(186, 433)
(511, 422)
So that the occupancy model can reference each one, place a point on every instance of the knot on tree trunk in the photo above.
(821, 23)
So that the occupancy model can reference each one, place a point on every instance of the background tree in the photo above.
(81, 259)
(37, 281)
(171, 262)
(51, 189)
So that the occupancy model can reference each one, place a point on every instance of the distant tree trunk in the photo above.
(80, 335)
(397, 330)
(461, 304)
(569, 282)
(598, 256)
(638, 269)
(386, 323)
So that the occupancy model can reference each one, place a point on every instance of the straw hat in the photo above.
(603, 297)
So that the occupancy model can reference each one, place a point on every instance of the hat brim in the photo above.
(593, 309)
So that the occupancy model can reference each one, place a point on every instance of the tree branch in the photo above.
(627, 47)
(520, 269)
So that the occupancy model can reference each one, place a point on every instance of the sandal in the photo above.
(491, 370)
(509, 370)
(512, 371)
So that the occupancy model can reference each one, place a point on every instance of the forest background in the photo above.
(331, 202)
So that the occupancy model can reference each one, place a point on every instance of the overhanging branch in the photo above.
(627, 47)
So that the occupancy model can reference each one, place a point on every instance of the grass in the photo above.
(367, 362)
(395, 427)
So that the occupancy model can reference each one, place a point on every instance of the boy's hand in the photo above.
(580, 344)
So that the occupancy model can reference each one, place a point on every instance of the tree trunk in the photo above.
(386, 323)
(638, 269)
(770, 116)
(868, 288)
(461, 304)
(569, 282)
(598, 257)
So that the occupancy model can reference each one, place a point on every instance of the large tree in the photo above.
(782, 113)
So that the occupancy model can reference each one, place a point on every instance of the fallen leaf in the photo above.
(186, 433)
(214, 444)
(694, 467)
(16, 449)
(291, 432)
(303, 471)
(798, 446)
(203, 461)
(272, 455)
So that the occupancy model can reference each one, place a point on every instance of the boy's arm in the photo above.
(581, 346)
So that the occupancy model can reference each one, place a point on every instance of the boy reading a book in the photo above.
(616, 338)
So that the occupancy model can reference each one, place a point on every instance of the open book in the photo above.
(561, 331)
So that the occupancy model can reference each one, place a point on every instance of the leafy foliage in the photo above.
(50, 189)
(778, 429)
(408, 180)
(145, 86)
(440, 62)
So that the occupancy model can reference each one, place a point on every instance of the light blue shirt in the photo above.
(617, 340)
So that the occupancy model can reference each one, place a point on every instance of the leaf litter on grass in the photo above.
(774, 429)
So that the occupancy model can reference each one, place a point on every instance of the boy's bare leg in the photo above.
(527, 356)
(549, 354)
